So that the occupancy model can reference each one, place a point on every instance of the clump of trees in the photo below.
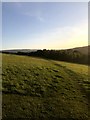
(62, 55)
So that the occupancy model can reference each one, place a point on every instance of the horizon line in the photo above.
(42, 48)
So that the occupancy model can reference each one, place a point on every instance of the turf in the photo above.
(35, 88)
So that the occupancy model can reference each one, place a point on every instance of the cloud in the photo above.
(36, 14)
(28, 11)
(40, 18)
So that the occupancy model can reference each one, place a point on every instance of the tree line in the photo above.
(69, 55)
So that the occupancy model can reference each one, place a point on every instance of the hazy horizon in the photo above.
(44, 25)
(41, 49)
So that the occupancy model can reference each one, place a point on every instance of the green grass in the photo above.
(78, 68)
(36, 88)
(81, 70)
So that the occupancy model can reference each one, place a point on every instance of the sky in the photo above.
(44, 0)
(44, 25)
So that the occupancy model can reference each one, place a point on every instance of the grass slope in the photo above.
(35, 88)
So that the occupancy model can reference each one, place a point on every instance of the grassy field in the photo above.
(35, 88)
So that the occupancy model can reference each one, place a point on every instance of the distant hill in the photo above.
(84, 50)
(19, 50)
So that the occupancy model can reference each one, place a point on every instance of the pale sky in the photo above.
(44, 25)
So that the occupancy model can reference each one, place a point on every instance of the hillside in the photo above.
(76, 55)
(84, 50)
(35, 88)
